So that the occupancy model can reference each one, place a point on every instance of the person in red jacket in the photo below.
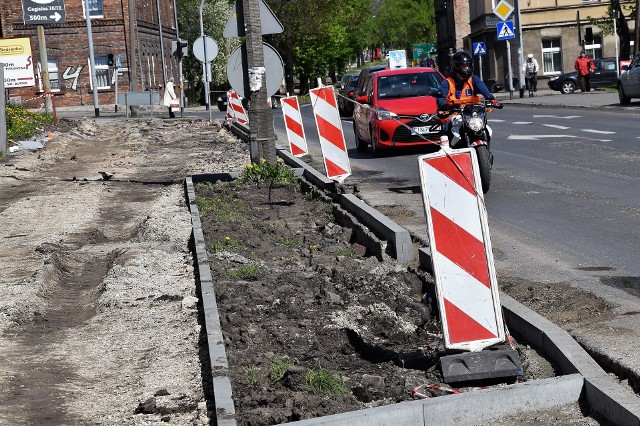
(585, 67)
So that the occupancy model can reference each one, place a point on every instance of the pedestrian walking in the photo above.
(584, 65)
(170, 99)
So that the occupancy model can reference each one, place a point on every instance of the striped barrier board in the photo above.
(295, 129)
(239, 113)
(332, 143)
(463, 267)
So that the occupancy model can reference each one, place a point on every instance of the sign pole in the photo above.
(44, 69)
(3, 119)
(510, 69)
(92, 61)
(480, 59)
(520, 48)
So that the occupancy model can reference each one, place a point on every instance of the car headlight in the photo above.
(475, 124)
(553, 78)
(386, 115)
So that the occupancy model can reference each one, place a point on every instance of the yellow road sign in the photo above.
(503, 10)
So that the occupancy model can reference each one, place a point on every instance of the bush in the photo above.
(23, 124)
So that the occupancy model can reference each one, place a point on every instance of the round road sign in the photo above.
(212, 48)
(274, 70)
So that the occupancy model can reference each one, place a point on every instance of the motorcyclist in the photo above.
(460, 85)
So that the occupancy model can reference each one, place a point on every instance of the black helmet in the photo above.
(462, 64)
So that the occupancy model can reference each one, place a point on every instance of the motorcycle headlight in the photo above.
(386, 115)
(475, 124)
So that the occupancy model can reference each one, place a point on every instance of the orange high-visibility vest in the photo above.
(467, 90)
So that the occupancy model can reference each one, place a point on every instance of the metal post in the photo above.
(615, 35)
(510, 69)
(92, 61)
(520, 48)
(3, 118)
(180, 78)
(205, 71)
(164, 66)
(480, 65)
(116, 88)
(44, 68)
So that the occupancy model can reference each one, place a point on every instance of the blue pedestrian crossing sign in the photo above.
(505, 30)
(479, 48)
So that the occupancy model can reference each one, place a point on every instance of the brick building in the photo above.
(68, 49)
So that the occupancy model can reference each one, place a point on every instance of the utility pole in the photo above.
(260, 115)
(205, 65)
(92, 62)
(44, 68)
(520, 49)
(636, 39)
(133, 70)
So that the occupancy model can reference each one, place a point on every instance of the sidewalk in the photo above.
(552, 98)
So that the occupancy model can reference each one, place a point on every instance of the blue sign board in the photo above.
(505, 30)
(479, 48)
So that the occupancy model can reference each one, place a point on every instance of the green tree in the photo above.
(401, 23)
(605, 24)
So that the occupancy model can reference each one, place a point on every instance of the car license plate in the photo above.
(421, 130)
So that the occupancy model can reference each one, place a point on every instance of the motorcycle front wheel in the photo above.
(484, 163)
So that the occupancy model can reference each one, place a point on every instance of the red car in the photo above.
(397, 109)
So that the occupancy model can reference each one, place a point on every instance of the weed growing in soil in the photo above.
(272, 174)
(247, 272)
(227, 244)
(323, 380)
(278, 369)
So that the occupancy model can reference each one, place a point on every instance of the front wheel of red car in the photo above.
(361, 145)
(376, 150)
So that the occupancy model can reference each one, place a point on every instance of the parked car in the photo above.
(222, 102)
(346, 88)
(396, 109)
(629, 82)
(604, 75)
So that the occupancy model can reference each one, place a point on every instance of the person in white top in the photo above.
(170, 97)
(530, 70)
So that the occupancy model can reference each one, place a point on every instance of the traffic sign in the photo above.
(40, 12)
(505, 30)
(198, 48)
(268, 22)
(479, 48)
(274, 70)
(118, 61)
(503, 10)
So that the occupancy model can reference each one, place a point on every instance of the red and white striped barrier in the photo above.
(461, 257)
(293, 123)
(334, 148)
(239, 113)
(230, 116)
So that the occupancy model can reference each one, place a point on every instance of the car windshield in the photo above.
(408, 85)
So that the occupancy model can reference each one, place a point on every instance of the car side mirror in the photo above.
(363, 99)
(624, 68)
(436, 94)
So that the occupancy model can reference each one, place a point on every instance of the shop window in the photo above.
(551, 56)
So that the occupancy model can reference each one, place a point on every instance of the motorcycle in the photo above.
(469, 129)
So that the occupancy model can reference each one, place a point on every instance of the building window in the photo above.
(594, 50)
(54, 76)
(551, 56)
(102, 73)
(96, 9)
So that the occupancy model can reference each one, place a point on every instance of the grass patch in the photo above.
(227, 244)
(323, 380)
(23, 124)
(247, 272)
(224, 210)
(289, 241)
(278, 369)
(348, 252)
(252, 375)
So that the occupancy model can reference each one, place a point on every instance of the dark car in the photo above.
(604, 75)
(629, 82)
(359, 88)
(345, 90)
(222, 102)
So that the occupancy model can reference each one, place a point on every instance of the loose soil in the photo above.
(299, 297)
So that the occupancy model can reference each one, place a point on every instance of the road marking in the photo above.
(537, 137)
(557, 116)
(600, 132)
(493, 120)
(522, 122)
(555, 126)
(605, 140)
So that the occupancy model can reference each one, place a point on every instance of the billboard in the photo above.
(15, 55)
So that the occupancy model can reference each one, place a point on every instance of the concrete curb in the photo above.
(224, 406)
(604, 395)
